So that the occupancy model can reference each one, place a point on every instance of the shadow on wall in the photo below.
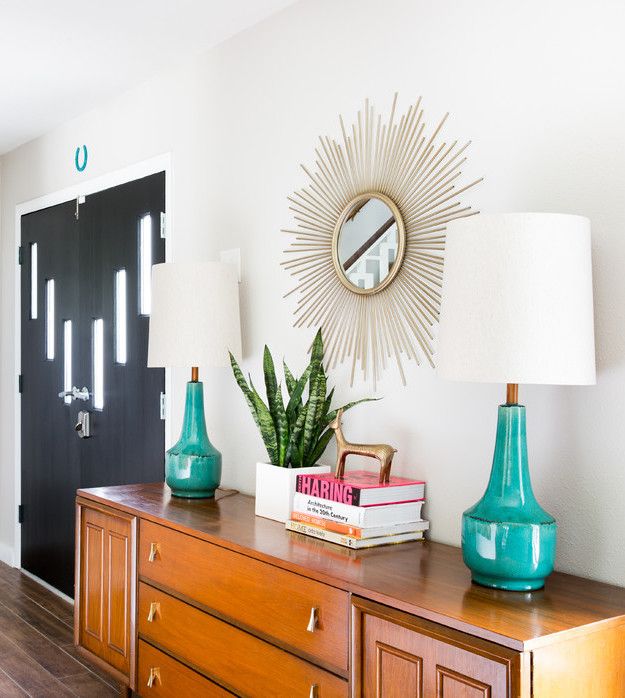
(573, 175)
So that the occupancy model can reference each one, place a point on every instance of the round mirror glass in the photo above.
(369, 243)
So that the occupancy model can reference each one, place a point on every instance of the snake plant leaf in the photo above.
(294, 451)
(266, 426)
(289, 377)
(315, 404)
(271, 382)
(320, 447)
(245, 389)
(316, 353)
(316, 359)
(322, 422)
(331, 415)
(276, 405)
(295, 400)
(316, 370)
(326, 408)
(282, 427)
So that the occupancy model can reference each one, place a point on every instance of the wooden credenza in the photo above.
(182, 598)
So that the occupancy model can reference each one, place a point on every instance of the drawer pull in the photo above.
(155, 608)
(314, 691)
(154, 551)
(312, 623)
(155, 675)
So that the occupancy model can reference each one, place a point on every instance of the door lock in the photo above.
(83, 425)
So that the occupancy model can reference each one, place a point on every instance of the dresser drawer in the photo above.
(160, 676)
(234, 658)
(310, 617)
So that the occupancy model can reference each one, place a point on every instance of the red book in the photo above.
(360, 488)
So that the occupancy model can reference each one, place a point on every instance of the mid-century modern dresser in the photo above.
(202, 598)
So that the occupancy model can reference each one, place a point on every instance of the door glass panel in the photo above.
(50, 319)
(145, 265)
(98, 364)
(121, 338)
(33, 281)
(67, 359)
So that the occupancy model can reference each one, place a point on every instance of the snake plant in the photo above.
(296, 433)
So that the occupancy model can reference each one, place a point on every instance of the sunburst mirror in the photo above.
(369, 235)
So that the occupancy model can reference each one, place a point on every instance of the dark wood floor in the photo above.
(37, 654)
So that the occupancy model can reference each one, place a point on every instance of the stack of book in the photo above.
(357, 511)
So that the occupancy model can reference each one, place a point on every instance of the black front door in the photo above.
(86, 298)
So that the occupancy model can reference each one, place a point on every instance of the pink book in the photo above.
(361, 488)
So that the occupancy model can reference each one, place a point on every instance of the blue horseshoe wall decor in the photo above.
(81, 166)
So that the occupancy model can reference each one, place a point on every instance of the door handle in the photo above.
(76, 394)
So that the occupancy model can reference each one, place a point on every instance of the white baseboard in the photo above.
(49, 587)
(6, 554)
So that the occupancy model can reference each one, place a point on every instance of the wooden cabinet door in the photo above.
(400, 656)
(106, 588)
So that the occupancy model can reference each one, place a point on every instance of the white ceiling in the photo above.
(59, 58)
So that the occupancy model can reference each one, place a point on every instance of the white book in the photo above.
(382, 515)
(357, 531)
(348, 541)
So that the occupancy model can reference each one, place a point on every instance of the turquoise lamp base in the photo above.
(514, 557)
(193, 464)
(193, 476)
(508, 539)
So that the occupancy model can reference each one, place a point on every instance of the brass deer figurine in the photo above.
(383, 452)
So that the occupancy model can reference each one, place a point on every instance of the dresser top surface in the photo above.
(424, 578)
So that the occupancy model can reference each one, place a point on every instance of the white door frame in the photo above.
(160, 163)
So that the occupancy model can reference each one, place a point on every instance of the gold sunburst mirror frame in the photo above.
(367, 246)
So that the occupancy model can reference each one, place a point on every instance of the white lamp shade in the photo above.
(195, 314)
(517, 300)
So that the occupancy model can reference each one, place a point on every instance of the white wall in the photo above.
(538, 88)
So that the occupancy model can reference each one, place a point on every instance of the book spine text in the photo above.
(334, 511)
(333, 490)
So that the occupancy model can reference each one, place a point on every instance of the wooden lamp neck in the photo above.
(512, 394)
(195, 374)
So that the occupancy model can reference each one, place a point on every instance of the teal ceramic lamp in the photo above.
(193, 324)
(516, 308)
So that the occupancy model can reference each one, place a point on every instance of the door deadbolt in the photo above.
(83, 425)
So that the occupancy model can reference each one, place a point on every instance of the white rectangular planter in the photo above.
(275, 489)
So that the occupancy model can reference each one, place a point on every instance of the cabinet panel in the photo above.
(451, 684)
(93, 581)
(118, 590)
(399, 674)
(105, 587)
(589, 665)
(400, 655)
